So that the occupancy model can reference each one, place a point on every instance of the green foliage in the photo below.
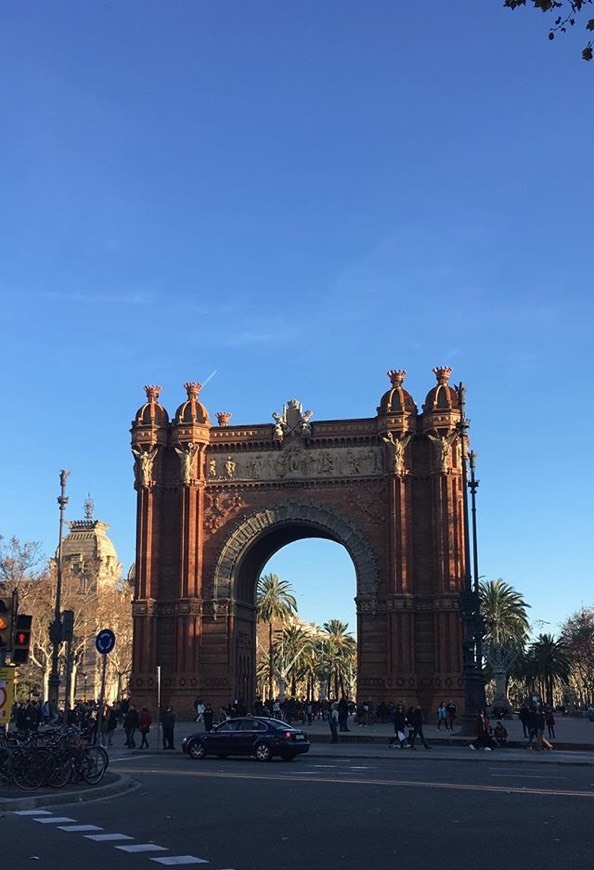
(504, 612)
(566, 10)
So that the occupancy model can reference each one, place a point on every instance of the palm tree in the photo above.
(275, 602)
(504, 612)
(295, 641)
(551, 664)
(340, 653)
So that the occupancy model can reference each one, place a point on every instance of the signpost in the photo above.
(104, 643)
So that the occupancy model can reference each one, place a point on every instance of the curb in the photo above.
(121, 785)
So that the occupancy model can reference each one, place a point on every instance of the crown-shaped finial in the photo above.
(442, 373)
(152, 392)
(192, 388)
(396, 376)
(223, 417)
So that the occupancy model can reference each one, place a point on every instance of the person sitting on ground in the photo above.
(500, 734)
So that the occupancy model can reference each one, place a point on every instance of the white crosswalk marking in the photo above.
(32, 813)
(78, 829)
(179, 860)
(143, 847)
(105, 838)
(55, 820)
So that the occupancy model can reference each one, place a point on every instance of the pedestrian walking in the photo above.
(144, 726)
(130, 726)
(550, 721)
(483, 738)
(416, 720)
(543, 743)
(207, 717)
(168, 725)
(400, 724)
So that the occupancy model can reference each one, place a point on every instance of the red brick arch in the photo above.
(215, 502)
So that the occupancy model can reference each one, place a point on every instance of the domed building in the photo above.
(91, 569)
(89, 552)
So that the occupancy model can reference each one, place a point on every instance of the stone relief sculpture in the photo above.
(398, 448)
(441, 445)
(186, 458)
(143, 466)
(297, 462)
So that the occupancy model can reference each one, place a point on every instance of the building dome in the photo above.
(442, 397)
(151, 413)
(90, 553)
(192, 412)
(396, 400)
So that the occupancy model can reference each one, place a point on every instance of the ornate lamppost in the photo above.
(56, 626)
(474, 687)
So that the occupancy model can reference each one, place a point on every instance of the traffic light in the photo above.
(21, 639)
(5, 624)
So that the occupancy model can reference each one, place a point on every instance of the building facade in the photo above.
(215, 502)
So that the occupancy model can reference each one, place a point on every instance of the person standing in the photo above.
(441, 716)
(550, 720)
(524, 716)
(332, 717)
(168, 725)
(130, 726)
(451, 714)
(343, 714)
(416, 720)
(144, 726)
(207, 717)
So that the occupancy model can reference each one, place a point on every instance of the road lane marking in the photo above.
(393, 783)
(143, 847)
(529, 775)
(105, 838)
(79, 829)
(32, 813)
(178, 860)
(55, 820)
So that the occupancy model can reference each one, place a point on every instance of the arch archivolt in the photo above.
(327, 520)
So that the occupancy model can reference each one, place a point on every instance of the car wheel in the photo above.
(263, 752)
(197, 749)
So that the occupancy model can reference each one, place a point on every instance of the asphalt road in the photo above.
(318, 814)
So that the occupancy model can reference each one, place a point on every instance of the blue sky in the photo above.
(300, 196)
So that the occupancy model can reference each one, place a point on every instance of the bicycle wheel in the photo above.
(60, 771)
(31, 769)
(94, 764)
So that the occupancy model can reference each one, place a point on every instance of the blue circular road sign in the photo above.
(105, 641)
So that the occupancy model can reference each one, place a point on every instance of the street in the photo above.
(319, 812)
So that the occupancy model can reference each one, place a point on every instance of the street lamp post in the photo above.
(474, 689)
(56, 626)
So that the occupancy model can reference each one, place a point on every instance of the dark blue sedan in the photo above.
(249, 735)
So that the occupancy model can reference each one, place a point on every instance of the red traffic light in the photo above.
(22, 638)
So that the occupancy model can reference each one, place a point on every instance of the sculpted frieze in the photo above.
(296, 462)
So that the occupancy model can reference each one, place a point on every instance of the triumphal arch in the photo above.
(216, 501)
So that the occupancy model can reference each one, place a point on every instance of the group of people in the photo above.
(534, 722)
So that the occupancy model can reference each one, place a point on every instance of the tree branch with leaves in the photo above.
(566, 14)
